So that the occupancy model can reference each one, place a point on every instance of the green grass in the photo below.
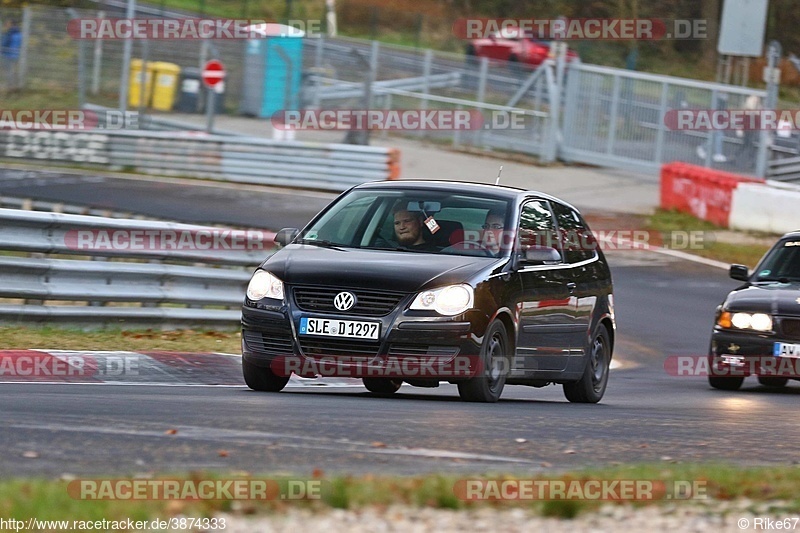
(745, 252)
(51, 500)
(21, 338)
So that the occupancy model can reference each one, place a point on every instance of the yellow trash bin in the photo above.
(134, 90)
(166, 86)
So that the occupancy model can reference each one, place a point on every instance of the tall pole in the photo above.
(127, 48)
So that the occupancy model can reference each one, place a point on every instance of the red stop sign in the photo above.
(213, 73)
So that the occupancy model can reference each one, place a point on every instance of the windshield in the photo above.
(782, 263)
(411, 220)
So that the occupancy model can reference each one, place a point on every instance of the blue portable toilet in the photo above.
(272, 70)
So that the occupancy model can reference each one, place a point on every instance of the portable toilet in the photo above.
(273, 67)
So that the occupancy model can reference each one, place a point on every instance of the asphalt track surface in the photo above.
(664, 308)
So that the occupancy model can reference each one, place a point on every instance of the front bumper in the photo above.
(736, 353)
(411, 344)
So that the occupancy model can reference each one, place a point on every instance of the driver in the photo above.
(408, 228)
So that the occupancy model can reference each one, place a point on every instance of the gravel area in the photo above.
(711, 516)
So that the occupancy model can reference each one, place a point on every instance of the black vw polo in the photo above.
(757, 327)
(422, 282)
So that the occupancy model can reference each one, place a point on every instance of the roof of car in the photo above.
(464, 186)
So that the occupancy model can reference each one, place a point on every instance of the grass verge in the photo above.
(717, 243)
(21, 338)
(59, 499)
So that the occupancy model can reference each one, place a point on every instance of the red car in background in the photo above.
(514, 45)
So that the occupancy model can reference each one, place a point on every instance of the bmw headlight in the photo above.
(754, 321)
(448, 301)
(264, 285)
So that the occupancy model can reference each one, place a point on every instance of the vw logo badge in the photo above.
(344, 301)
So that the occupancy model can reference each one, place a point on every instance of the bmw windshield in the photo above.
(782, 263)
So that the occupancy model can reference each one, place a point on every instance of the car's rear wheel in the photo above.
(382, 385)
(592, 385)
(725, 383)
(488, 385)
(773, 382)
(262, 378)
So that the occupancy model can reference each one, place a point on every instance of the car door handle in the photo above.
(571, 286)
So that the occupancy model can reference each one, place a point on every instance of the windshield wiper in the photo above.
(779, 279)
(321, 244)
(397, 249)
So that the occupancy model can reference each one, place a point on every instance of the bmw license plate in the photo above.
(340, 328)
(782, 349)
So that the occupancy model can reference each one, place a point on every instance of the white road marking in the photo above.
(215, 434)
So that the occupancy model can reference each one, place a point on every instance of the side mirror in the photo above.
(542, 255)
(286, 235)
(739, 272)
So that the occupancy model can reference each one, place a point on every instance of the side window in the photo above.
(536, 226)
(576, 239)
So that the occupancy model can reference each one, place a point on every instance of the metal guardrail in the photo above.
(333, 88)
(334, 167)
(784, 169)
(148, 288)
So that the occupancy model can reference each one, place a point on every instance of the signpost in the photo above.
(213, 74)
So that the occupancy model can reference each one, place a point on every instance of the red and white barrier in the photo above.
(770, 208)
(703, 192)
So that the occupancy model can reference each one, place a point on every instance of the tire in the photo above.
(592, 385)
(773, 382)
(262, 379)
(514, 65)
(488, 386)
(725, 383)
(382, 385)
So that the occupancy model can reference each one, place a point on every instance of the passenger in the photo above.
(492, 233)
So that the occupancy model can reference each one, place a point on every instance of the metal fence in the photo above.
(615, 117)
(334, 167)
(56, 268)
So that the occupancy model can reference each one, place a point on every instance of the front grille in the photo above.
(428, 352)
(340, 348)
(368, 303)
(278, 342)
(790, 327)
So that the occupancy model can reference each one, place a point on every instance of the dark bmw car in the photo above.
(423, 282)
(757, 327)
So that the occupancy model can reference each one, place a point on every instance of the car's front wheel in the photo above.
(592, 385)
(773, 382)
(262, 379)
(494, 366)
(382, 385)
(725, 383)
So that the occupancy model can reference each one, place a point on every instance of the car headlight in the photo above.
(264, 285)
(754, 321)
(450, 300)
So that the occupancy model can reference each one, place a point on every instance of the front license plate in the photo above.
(340, 328)
(782, 349)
